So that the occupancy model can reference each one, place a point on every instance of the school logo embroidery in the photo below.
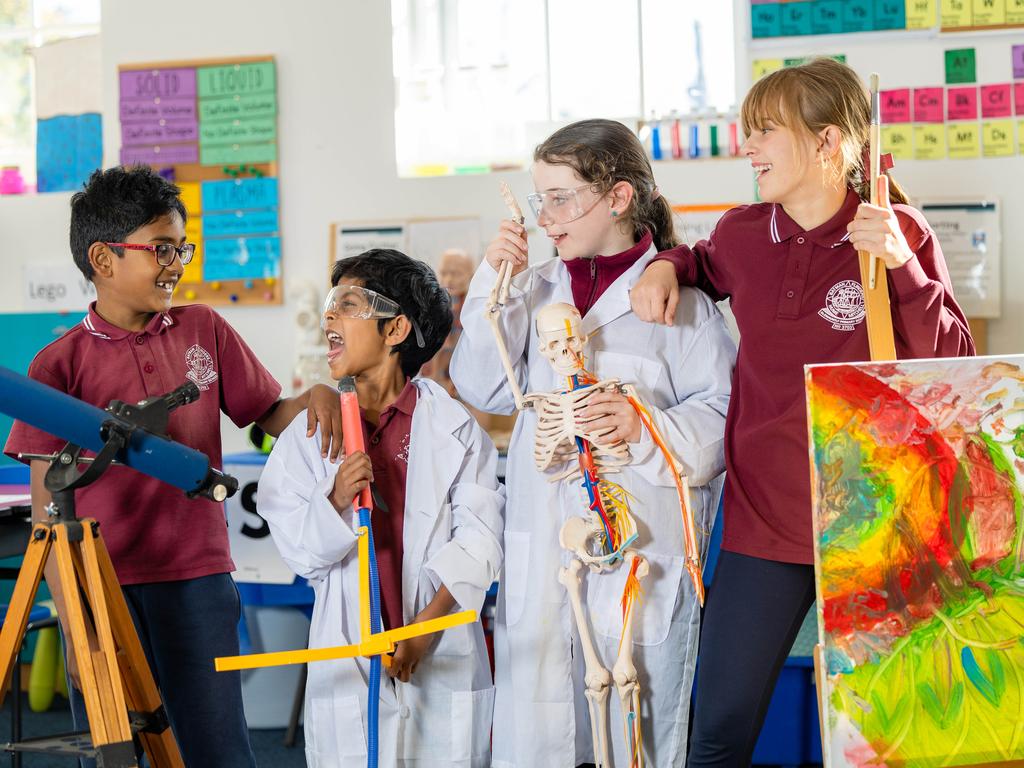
(200, 367)
(844, 305)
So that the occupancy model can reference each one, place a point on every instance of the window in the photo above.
(478, 83)
(25, 24)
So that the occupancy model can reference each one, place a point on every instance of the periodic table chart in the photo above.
(210, 126)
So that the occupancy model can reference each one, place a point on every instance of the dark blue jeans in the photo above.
(183, 625)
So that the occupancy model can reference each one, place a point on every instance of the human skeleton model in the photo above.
(603, 539)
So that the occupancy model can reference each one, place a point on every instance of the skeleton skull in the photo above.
(559, 327)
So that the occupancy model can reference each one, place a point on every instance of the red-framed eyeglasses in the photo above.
(164, 252)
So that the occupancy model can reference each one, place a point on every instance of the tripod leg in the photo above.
(13, 632)
(106, 660)
(82, 640)
(139, 686)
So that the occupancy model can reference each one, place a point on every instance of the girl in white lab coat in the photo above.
(384, 318)
(597, 200)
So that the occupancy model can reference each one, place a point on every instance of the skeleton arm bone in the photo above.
(477, 367)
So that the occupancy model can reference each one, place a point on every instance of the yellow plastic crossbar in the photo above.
(376, 645)
(369, 645)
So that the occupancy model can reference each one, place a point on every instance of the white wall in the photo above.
(336, 140)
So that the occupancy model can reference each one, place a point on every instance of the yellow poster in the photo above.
(899, 140)
(190, 197)
(964, 141)
(764, 67)
(956, 13)
(989, 12)
(1015, 11)
(997, 138)
(929, 141)
(922, 14)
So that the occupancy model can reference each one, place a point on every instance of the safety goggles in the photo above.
(360, 303)
(561, 206)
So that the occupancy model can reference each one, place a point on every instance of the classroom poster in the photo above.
(916, 483)
(211, 127)
(971, 239)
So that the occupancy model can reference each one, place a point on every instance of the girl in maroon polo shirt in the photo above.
(790, 268)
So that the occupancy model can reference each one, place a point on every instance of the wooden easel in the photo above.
(120, 693)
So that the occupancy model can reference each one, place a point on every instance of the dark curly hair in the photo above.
(605, 152)
(116, 202)
(413, 285)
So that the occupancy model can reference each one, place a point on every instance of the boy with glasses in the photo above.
(170, 552)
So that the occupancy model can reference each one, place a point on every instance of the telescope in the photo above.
(133, 435)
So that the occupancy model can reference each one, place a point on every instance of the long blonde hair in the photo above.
(812, 96)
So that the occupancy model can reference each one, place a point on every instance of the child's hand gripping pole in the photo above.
(369, 583)
(496, 301)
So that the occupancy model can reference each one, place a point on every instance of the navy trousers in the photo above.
(183, 626)
(752, 616)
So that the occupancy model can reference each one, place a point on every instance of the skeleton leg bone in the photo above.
(597, 678)
(624, 671)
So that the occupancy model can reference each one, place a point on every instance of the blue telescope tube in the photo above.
(63, 416)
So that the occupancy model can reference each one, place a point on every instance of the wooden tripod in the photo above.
(120, 693)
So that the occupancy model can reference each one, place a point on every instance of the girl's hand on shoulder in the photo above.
(610, 413)
(509, 245)
(354, 474)
(655, 295)
(324, 409)
(876, 230)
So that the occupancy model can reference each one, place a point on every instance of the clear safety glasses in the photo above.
(362, 304)
(561, 206)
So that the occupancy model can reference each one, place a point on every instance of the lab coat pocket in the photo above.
(471, 724)
(517, 563)
(334, 728)
(629, 369)
(658, 595)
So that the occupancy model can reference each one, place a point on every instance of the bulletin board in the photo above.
(210, 126)
(421, 238)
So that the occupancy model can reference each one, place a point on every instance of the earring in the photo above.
(614, 214)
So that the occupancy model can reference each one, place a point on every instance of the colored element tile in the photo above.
(997, 138)
(929, 141)
(960, 66)
(928, 105)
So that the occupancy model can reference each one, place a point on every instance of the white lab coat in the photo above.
(682, 374)
(452, 536)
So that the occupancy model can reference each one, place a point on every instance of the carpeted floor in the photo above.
(267, 744)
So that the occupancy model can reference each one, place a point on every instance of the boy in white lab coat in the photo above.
(437, 523)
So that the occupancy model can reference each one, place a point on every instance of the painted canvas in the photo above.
(917, 474)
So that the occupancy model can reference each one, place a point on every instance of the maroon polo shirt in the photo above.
(591, 277)
(388, 449)
(153, 531)
(797, 299)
